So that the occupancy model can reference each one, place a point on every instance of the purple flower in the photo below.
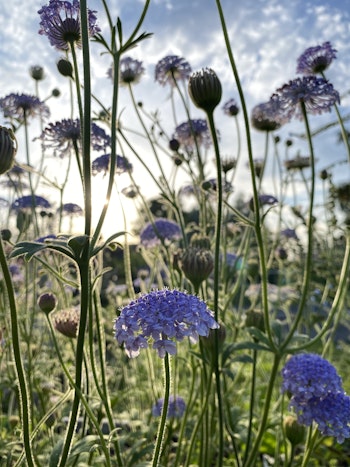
(176, 407)
(22, 106)
(64, 136)
(332, 414)
(317, 94)
(60, 22)
(163, 317)
(101, 164)
(161, 230)
(230, 108)
(289, 233)
(130, 71)
(308, 375)
(172, 68)
(266, 116)
(316, 59)
(193, 130)
(71, 209)
(29, 201)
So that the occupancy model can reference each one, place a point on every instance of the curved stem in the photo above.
(22, 383)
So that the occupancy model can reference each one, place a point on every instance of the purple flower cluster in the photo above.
(29, 201)
(230, 108)
(316, 59)
(317, 394)
(160, 231)
(176, 407)
(22, 106)
(192, 131)
(162, 316)
(266, 116)
(171, 69)
(101, 164)
(317, 94)
(60, 22)
(64, 136)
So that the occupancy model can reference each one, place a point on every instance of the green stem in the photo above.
(22, 383)
(161, 428)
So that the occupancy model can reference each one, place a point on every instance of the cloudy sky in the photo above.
(267, 37)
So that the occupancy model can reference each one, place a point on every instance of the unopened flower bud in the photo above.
(65, 67)
(200, 241)
(8, 149)
(255, 319)
(174, 144)
(56, 92)
(37, 72)
(197, 264)
(6, 235)
(295, 433)
(47, 302)
(67, 322)
(205, 89)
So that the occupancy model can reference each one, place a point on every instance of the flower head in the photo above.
(60, 22)
(265, 116)
(130, 71)
(101, 164)
(317, 94)
(299, 163)
(30, 201)
(172, 68)
(230, 108)
(193, 130)
(71, 209)
(64, 136)
(22, 106)
(8, 149)
(161, 230)
(176, 407)
(205, 89)
(316, 59)
(308, 375)
(162, 316)
(67, 321)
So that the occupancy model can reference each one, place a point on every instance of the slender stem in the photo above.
(22, 383)
(161, 428)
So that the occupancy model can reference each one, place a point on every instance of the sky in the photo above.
(267, 37)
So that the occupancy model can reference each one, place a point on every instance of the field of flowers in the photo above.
(211, 331)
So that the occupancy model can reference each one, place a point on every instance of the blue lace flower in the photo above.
(317, 94)
(316, 59)
(29, 201)
(176, 407)
(193, 130)
(332, 414)
(71, 209)
(60, 22)
(130, 71)
(266, 116)
(162, 317)
(64, 136)
(230, 108)
(101, 164)
(172, 68)
(22, 106)
(308, 375)
(160, 231)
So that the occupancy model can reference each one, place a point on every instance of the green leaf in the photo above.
(107, 242)
(29, 249)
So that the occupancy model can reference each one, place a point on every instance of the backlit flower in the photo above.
(176, 407)
(64, 136)
(160, 231)
(101, 164)
(266, 117)
(172, 68)
(60, 22)
(230, 108)
(193, 130)
(30, 201)
(130, 71)
(317, 94)
(316, 59)
(71, 209)
(162, 317)
(22, 106)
